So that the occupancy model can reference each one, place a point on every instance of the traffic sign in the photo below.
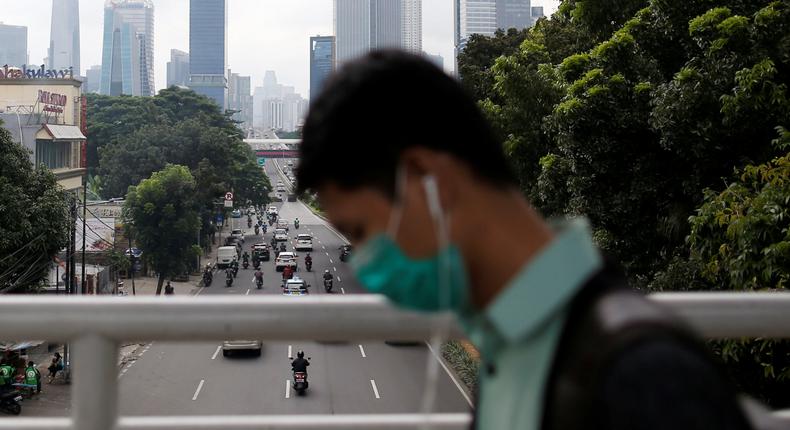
(261, 161)
(228, 196)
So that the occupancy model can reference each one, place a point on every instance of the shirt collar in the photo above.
(546, 283)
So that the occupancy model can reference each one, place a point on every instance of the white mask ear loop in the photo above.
(397, 210)
(440, 333)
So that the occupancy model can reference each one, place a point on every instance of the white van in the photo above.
(225, 256)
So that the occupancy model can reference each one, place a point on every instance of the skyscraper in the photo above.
(13, 49)
(486, 16)
(362, 25)
(64, 36)
(240, 98)
(208, 49)
(128, 50)
(178, 68)
(411, 16)
(537, 13)
(322, 62)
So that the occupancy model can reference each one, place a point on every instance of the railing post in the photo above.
(95, 383)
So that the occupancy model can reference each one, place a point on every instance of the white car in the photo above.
(283, 223)
(304, 242)
(280, 235)
(284, 260)
(238, 234)
(229, 346)
(272, 210)
(295, 287)
(251, 210)
(281, 189)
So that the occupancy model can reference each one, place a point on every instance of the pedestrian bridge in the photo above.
(95, 326)
(274, 148)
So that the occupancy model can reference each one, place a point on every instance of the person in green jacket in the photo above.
(33, 376)
(6, 374)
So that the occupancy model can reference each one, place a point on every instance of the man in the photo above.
(300, 364)
(33, 376)
(288, 272)
(6, 375)
(169, 290)
(258, 278)
(438, 223)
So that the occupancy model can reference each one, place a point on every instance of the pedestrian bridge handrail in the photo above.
(96, 325)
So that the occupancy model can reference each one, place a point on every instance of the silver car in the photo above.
(229, 346)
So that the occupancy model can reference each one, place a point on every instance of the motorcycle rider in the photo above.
(33, 376)
(308, 261)
(327, 275)
(288, 272)
(245, 257)
(234, 266)
(282, 247)
(229, 274)
(207, 275)
(300, 364)
(258, 277)
(296, 223)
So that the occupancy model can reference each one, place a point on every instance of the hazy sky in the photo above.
(262, 34)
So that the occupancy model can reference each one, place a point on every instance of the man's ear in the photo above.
(447, 171)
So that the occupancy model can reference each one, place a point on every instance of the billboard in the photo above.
(100, 233)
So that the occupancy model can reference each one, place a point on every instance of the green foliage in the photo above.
(475, 61)
(136, 136)
(465, 366)
(627, 113)
(33, 214)
(163, 215)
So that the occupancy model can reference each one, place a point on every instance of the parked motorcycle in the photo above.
(11, 402)
(328, 285)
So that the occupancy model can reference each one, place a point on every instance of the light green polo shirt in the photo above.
(519, 331)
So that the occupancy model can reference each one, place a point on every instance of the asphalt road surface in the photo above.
(195, 378)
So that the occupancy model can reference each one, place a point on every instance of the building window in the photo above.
(54, 155)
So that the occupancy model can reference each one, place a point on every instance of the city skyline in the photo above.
(262, 34)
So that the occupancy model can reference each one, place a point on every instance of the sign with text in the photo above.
(38, 72)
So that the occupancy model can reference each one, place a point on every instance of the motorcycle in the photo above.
(264, 228)
(11, 402)
(249, 222)
(259, 283)
(235, 270)
(207, 278)
(229, 280)
(256, 264)
(309, 265)
(257, 230)
(328, 285)
(296, 225)
(246, 264)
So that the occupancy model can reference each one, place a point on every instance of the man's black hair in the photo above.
(383, 103)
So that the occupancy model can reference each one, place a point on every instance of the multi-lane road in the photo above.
(375, 377)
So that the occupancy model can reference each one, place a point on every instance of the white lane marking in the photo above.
(219, 348)
(457, 385)
(200, 387)
(342, 290)
(362, 351)
(248, 292)
(324, 247)
(289, 352)
(375, 388)
(327, 254)
(338, 279)
(124, 371)
(287, 389)
(331, 262)
(335, 269)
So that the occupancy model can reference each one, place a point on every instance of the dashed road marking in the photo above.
(290, 352)
(335, 269)
(331, 262)
(199, 387)
(342, 290)
(287, 389)
(219, 348)
(327, 254)
(362, 351)
(375, 389)
(338, 279)
(248, 292)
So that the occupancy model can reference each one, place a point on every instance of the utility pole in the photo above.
(84, 237)
(131, 258)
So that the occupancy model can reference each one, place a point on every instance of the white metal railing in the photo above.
(96, 325)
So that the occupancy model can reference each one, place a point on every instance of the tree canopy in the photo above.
(162, 213)
(33, 218)
(636, 114)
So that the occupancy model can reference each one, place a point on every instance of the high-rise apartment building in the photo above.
(411, 31)
(363, 25)
(13, 49)
(178, 68)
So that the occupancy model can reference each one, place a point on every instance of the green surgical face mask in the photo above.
(434, 284)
